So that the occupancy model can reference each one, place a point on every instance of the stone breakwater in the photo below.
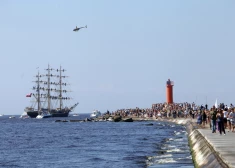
(203, 153)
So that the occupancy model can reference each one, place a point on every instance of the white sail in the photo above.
(216, 104)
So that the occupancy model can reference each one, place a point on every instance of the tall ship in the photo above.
(50, 95)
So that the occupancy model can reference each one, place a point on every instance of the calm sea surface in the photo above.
(46, 143)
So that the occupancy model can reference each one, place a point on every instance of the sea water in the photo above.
(46, 143)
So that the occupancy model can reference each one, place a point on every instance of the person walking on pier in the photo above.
(225, 111)
(230, 115)
(232, 120)
(220, 120)
(204, 118)
(213, 119)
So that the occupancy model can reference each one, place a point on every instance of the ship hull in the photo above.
(32, 114)
(59, 114)
(54, 113)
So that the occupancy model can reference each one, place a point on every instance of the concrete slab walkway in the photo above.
(224, 145)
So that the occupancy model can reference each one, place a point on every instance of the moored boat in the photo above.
(95, 114)
(128, 120)
(43, 114)
(110, 119)
(24, 115)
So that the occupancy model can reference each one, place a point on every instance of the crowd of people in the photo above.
(218, 118)
(222, 118)
(175, 110)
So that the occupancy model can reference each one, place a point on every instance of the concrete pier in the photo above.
(223, 145)
(210, 150)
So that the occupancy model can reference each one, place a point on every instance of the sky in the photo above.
(125, 56)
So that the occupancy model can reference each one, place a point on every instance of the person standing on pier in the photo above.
(204, 118)
(230, 116)
(220, 119)
(213, 119)
(232, 120)
(225, 114)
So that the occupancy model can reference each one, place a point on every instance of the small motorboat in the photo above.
(110, 119)
(95, 114)
(75, 114)
(12, 117)
(24, 115)
(43, 114)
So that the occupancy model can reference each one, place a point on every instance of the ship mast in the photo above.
(48, 89)
(38, 91)
(60, 89)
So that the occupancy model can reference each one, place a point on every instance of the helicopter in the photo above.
(78, 28)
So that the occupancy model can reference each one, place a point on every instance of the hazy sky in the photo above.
(125, 56)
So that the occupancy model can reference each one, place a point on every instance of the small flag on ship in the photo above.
(29, 95)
